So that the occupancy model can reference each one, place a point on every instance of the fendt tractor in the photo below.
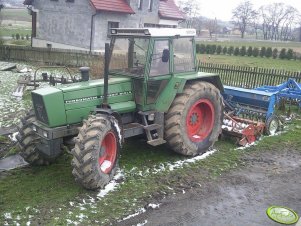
(151, 87)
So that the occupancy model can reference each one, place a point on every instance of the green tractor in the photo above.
(151, 86)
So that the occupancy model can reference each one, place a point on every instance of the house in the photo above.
(85, 24)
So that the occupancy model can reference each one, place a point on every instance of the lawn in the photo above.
(15, 14)
(13, 30)
(289, 65)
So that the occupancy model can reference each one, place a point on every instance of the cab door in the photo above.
(159, 70)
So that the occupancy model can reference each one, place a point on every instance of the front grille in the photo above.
(39, 108)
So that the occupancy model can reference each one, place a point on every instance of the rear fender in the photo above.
(176, 86)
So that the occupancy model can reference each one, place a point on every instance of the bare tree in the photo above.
(278, 21)
(211, 25)
(191, 9)
(243, 15)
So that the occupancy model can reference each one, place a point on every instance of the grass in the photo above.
(13, 30)
(46, 192)
(289, 65)
(15, 14)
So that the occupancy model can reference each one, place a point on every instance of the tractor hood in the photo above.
(69, 104)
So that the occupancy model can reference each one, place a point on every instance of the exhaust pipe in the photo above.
(84, 71)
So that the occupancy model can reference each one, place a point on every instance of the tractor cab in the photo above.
(151, 57)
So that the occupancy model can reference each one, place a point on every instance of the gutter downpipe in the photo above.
(92, 31)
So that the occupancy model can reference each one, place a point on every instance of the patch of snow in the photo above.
(139, 211)
(82, 208)
(81, 216)
(180, 163)
(115, 123)
(28, 223)
(247, 146)
(7, 216)
(71, 203)
(111, 186)
(13, 137)
(72, 222)
(184, 192)
(154, 206)
(143, 223)
(27, 208)
(18, 217)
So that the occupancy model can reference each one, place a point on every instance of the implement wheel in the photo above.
(28, 140)
(193, 122)
(96, 152)
(272, 125)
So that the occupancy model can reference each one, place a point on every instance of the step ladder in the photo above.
(154, 132)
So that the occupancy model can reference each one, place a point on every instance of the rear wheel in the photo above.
(193, 122)
(95, 156)
(28, 140)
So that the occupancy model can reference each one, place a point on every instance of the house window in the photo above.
(112, 24)
(150, 5)
(140, 3)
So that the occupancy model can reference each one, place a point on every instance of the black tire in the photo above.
(179, 138)
(89, 151)
(272, 125)
(27, 141)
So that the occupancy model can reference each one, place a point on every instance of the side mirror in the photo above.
(165, 56)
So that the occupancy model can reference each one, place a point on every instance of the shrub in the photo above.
(225, 49)
(22, 37)
(230, 50)
(13, 36)
(27, 37)
(255, 52)
(250, 51)
(236, 51)
(212, 49)
(17, 36)
(218, 50)
(208, 48)
(282, 54)
(243, 51)
(290, 54)
(275, 53)
(262, 51)
(202, 48)
(269, 52)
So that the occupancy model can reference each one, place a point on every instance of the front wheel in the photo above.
(28, 141)
(96, 152)
(193, 122)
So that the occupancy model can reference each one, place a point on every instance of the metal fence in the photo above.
(248, 77)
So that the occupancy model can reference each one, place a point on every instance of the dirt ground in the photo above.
(237, 198)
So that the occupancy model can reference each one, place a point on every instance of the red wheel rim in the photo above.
(200, 120)
(108, 152)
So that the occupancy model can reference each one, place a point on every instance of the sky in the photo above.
(222, 9)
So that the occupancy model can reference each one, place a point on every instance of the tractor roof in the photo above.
(153, 32)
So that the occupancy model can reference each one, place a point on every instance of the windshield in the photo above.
(129, 56)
